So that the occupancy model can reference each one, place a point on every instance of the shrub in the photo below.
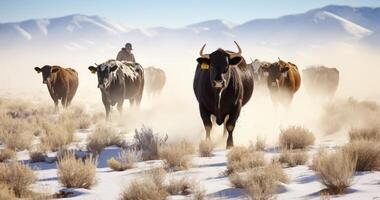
(56, 137)
(73, 173)
(6, 193)
(180, 186)
(17, 177)
(296, 137)
(16, 134)
(102, 137)
(37, 155)
(241, 159)
(205, 148)
(370, 134)
(259, 182)
(149, 187)
(367, 154)
(259, 145)
(292, 158)
(175, 156)
(335, 170)
(148, 142)
(126, 160)
(6, 154)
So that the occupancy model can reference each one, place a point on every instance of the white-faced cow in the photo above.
(119, 80)
(258, 73)
(222, 85)
(320, 81)
(62, 83)
(283, 81)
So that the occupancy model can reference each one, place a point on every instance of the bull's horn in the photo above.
(202, 54)
(239, 50)
(251, 59)
(279, 59)
(96, 64)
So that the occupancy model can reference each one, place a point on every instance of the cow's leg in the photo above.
(107, 106)
(231, 125)
(64, 101)
(55, 105)
(206, 118)
(120, 106)
(225, 127)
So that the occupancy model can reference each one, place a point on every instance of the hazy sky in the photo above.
(170, 13)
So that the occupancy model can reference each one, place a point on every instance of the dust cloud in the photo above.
(176, 112)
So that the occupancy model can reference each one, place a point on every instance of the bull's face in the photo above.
(276, 72)
(47, 72)
(218, 63)
(104, 73)
(219, 66)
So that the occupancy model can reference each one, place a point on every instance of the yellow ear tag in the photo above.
(204, 66)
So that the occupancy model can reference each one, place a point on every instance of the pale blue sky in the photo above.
(170, 13)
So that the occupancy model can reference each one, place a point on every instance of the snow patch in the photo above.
(23, 32)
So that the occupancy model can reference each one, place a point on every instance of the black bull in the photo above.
(222, 85)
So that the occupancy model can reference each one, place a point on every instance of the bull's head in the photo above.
(47, 72)
(276, 72)
(104, 73)
(218, 63)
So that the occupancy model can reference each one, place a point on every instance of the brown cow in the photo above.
(283, 81)
(154, 80)
(62, 83)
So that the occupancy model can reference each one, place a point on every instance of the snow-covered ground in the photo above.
(208, 171)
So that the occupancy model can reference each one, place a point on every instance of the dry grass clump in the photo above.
(102, 137)
(370, 134)
(260, 182)
(292, 158)
(335, 170)
(296, 137)
(179, 186)
(176, 156)
(6, 193)
(259, 145)
(37, 155)
(366, 153)
(205, 148)
(56, 136)
(241, 158)
(17, 177)
(75, 118)
(151, 186)
(16, 134)
(125, 160)
(73, 173)
(6, 154)
(148, 142)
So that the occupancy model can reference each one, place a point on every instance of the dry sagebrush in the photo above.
(125, 160)
(370, 134)
(73, 173)
(260, 182)
(335, 170)
(148, 142)
(16, 134)
(296, 137)
(292, 158)
(6, 154)
(366, 153)
(102, 137)
(242, 158)
(17, 177)
(176, 156)
(56, 136)
(205, 148)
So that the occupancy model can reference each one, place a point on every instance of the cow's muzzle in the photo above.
(218, 84)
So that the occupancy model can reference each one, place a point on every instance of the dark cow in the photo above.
(222, 85)
(62, 83)
(154, 80)
(321, 81)
(119, 80)
(283, 81)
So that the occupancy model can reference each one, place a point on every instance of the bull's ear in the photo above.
(38, 70)
(235, 60)
(92, 69)
(202, 60)
(54, 70)
(284, 69)
(113, 68)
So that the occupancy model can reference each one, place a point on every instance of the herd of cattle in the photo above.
(223, 84)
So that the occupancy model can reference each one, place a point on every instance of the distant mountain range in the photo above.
(77, 32)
